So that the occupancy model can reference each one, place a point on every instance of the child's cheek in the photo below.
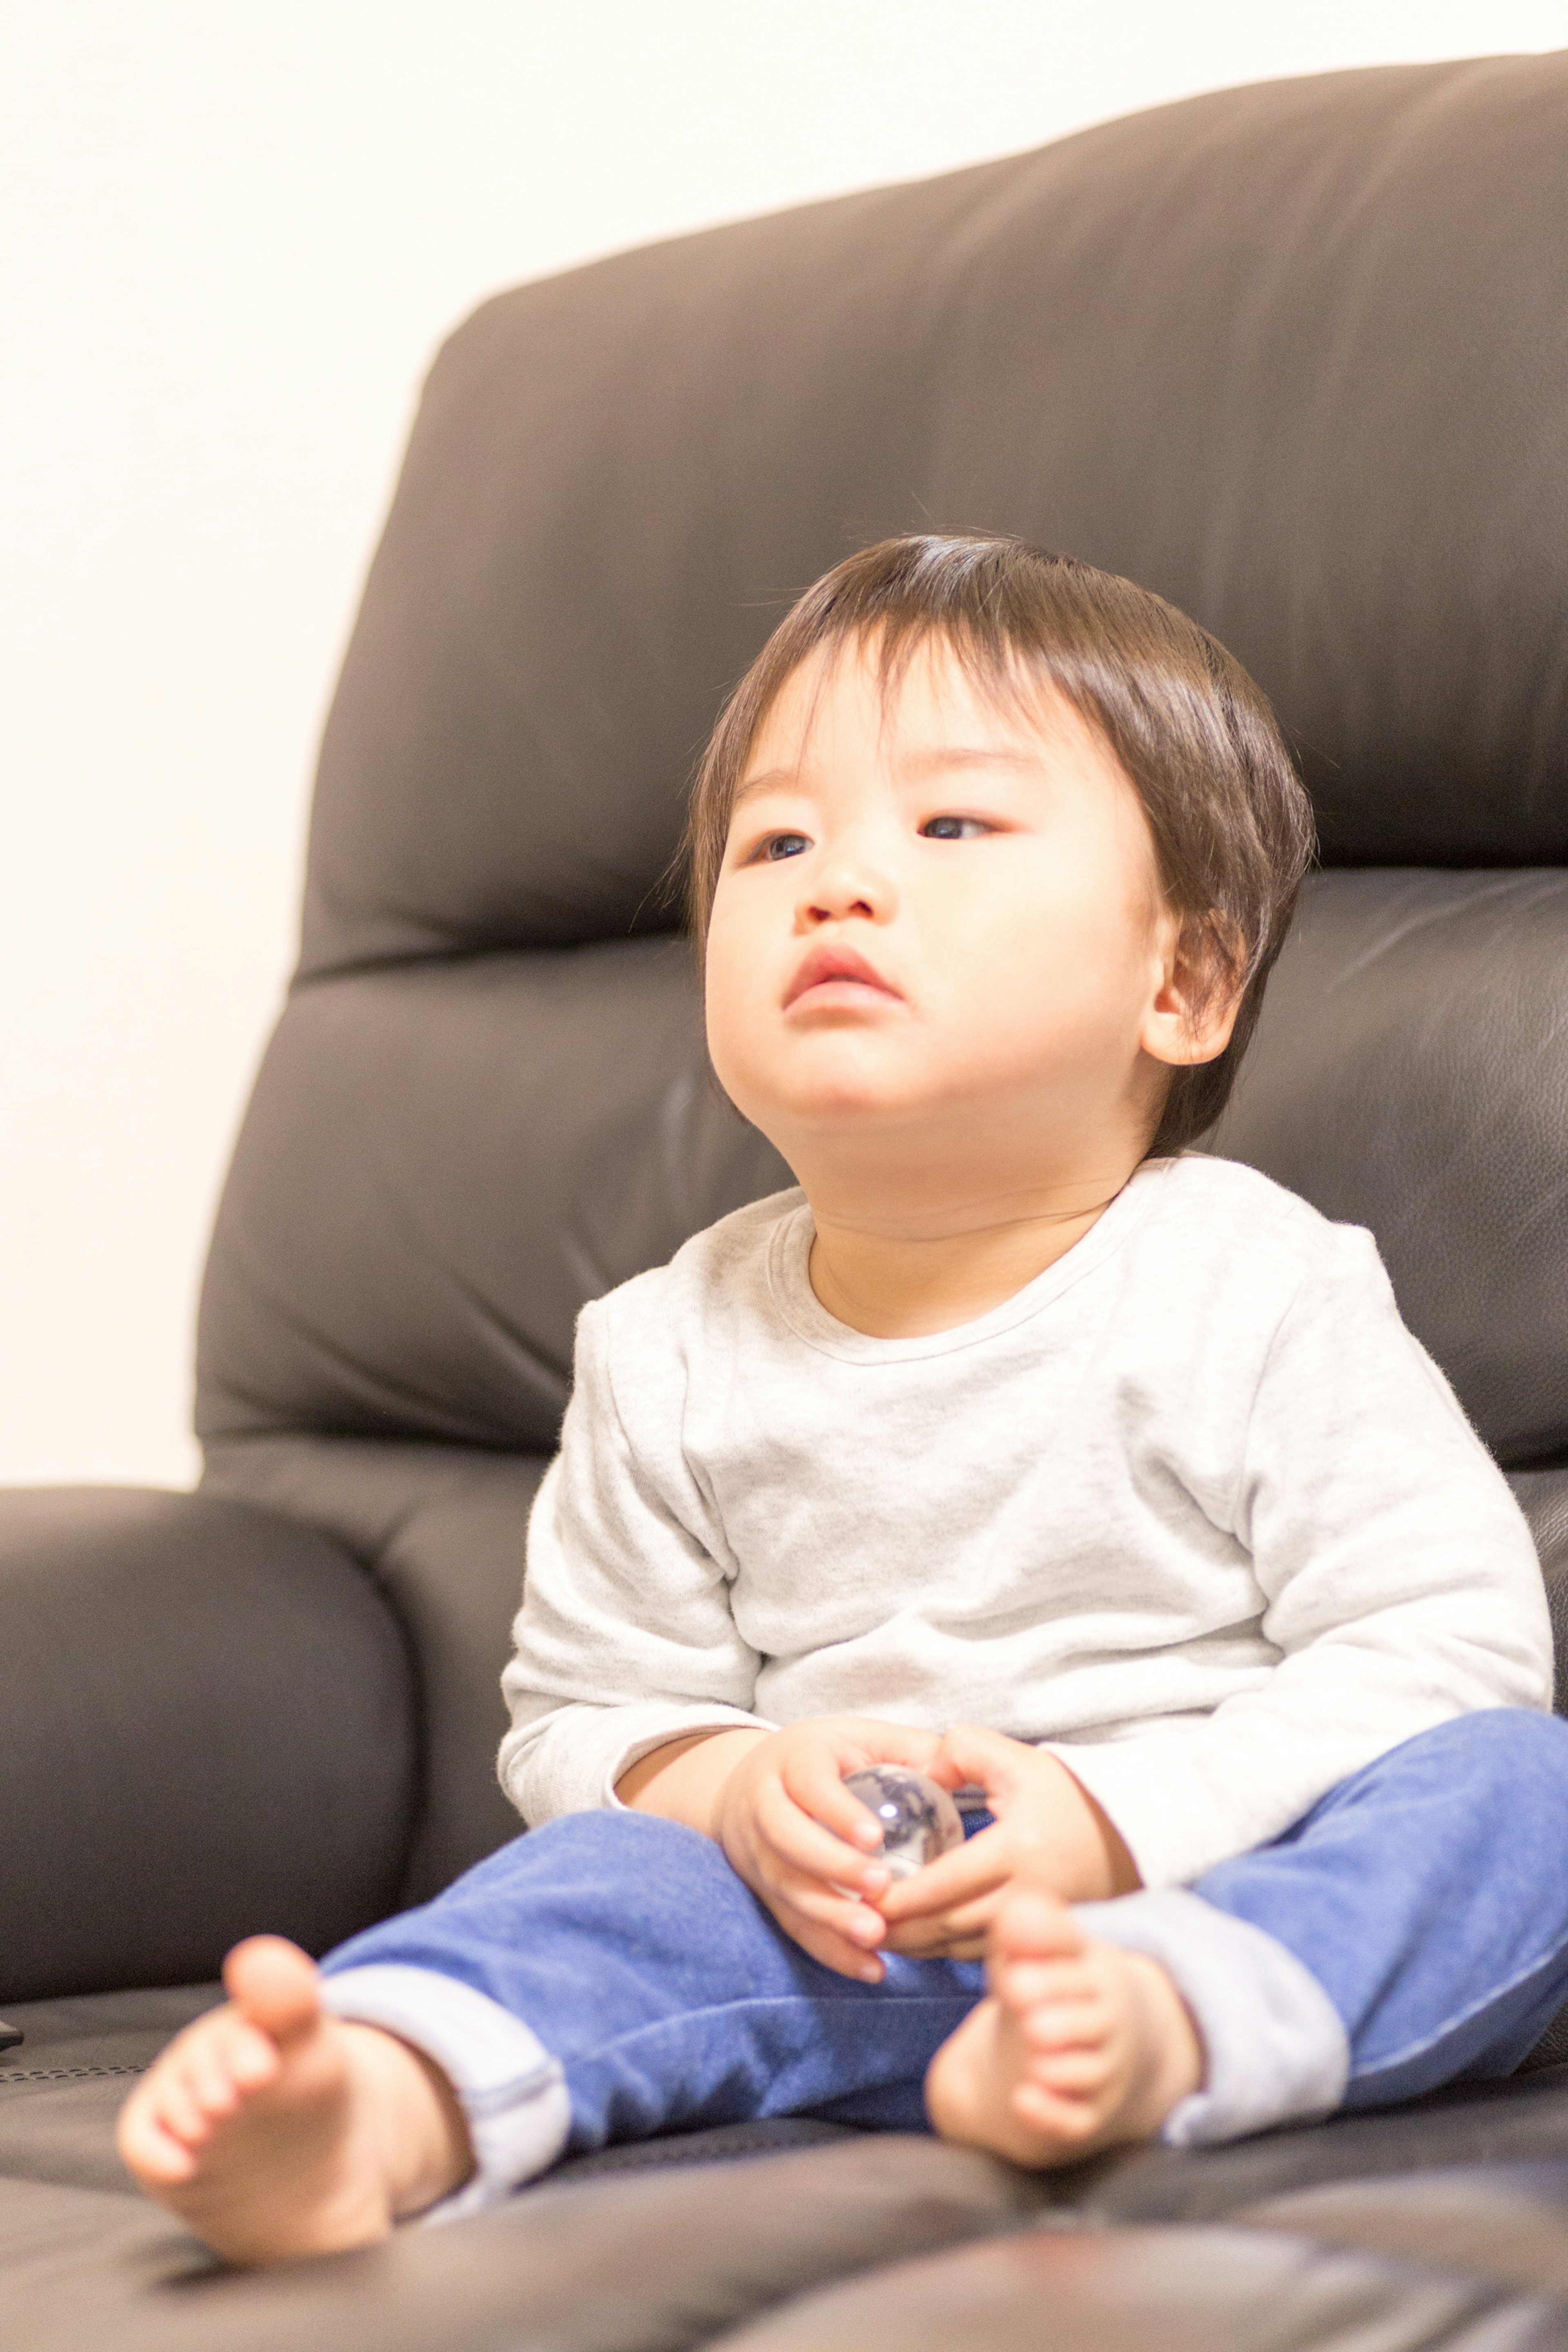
(734, 1048)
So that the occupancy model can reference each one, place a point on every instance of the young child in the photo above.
(1015, 1417)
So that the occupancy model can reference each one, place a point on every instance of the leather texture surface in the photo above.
(1181, 2290)
(715, 2241)
(1295, 355)
(1410, 1073)
(444, 1527)
(60, 2090)
(1507, 2222)
(650, 2262)
(206, 1728)
(1520, 2120)
(62, 2087)
(441, 1162)
(1543, 1496)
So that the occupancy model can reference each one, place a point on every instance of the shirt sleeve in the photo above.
(625, 1639)
(1399, 1581)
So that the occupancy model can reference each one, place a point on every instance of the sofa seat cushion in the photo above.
(1522, 2119)
(665, 2260)
(1158, 2290)
(675, 2241)
(1508, 2222)
(61, 2088)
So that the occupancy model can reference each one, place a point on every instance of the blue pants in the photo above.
(608, 1977)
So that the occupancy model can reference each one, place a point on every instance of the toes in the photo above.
(1047, 2080)
(274, 1984)
(1067, 2122)
(251, 2058)
(179, 2112)
(198, 2084)
(1034, 1925)
(1071, 2074)
(1032, 1984)
(157, 2126)
(209, 2078)
(213, 2066)
(1065, 2025)
(150, 2152)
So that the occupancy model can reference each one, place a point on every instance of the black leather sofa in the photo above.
(1296, 355)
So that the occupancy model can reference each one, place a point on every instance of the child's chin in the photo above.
(840, 1082)
(848, 1108)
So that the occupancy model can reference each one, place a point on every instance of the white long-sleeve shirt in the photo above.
(1193, 1509)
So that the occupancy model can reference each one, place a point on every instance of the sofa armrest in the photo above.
(206, 1730)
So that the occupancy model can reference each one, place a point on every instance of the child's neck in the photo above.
(930, 1267)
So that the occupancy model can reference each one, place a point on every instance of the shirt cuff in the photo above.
(1159, 1791)
(571, 1764)
(510, 2089)
(635, 1751)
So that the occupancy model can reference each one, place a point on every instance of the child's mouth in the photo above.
(835, 975)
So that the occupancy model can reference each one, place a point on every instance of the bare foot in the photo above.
(274, 2129)
(1077, 2046)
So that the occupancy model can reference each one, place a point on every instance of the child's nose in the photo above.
(847, 885)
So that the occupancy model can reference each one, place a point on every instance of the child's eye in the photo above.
(953, 828)
(781, 844)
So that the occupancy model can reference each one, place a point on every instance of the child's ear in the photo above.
(1193, 1009)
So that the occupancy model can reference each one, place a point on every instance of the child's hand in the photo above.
(1042, 1814)
(794, 1832)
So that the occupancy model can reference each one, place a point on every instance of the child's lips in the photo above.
(836, 974)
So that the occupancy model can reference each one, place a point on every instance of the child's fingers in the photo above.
(857, 1923)
(957, 1930)
(804, 1845)
(800, 1918)
(954, 1947)
(975, 1868)
(937, 1944)
(972, 1756)
(813, 1775)
(955, 1935)
(821, 1793)
(834, 1953)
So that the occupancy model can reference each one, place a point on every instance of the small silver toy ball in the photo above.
(918, 1822)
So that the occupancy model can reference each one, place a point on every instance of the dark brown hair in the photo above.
(1231, 823)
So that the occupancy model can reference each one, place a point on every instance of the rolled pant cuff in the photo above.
(510, 2089)
(1276, 2050)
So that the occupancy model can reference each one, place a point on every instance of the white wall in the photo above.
(232, 232)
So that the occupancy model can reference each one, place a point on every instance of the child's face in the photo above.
(935, 914)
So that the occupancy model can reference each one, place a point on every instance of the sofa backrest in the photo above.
(1295, 355)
